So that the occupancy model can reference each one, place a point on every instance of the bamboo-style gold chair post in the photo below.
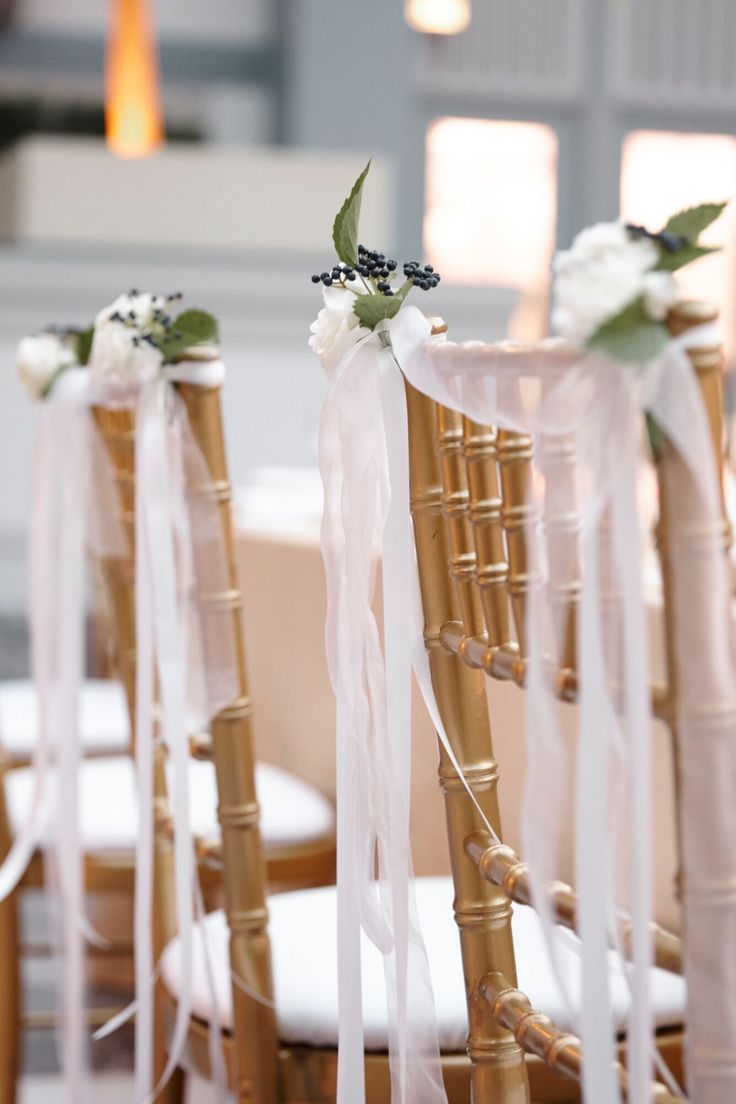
(254, 1021)
(672, 473)
(562, 528)
(482, 910)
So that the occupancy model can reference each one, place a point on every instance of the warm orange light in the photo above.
(446, 17)
(133, 120)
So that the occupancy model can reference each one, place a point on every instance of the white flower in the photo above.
(660, 293)
(40, 359)
(602, 273)
(336, 328)
(121, 353)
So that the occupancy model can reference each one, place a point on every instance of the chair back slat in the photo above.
(456, 508)
(519, 516)
(480, 449)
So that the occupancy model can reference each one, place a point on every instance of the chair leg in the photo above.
(10, 1033)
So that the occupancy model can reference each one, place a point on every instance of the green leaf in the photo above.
(691, 222)
(670, 262)
(84, 344)
(372, 309)
(191, 327)
(345, 226)
(630, 336)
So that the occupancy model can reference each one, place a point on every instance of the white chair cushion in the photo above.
(303, 933)
(292, 811)
(103, 717)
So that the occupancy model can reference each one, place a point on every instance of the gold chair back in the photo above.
(229, 745)
(472, 519)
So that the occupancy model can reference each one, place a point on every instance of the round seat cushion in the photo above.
(292, 811)
(303, 933)
(103, 717)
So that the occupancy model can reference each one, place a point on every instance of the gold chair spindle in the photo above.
(520, 518)
(480, 447)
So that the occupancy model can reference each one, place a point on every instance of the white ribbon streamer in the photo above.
(600, 404)
(173, 516)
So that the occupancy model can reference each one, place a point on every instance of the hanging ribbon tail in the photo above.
(181, 541)
(363, 509)
(28, 836)
(184, 649)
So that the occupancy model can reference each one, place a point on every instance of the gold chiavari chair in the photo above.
(471, 514)
(275, 983)
(299, 839)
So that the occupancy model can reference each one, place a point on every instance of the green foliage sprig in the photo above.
(632, 335)
(367, 274)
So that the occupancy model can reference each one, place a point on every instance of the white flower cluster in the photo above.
(123, 352)
(336, 328)
(41, 359)
(604, 271)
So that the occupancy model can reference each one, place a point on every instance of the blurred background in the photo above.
(492, 147)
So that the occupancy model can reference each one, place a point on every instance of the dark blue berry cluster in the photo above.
(375, 272)
(670, 243)
(154, 329)
(424, 278)
(340, 274)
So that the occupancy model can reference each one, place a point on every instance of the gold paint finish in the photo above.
(480, 449)
(672, 474)
(482, 911)
(501, 865)
(519, 515)
(537, 1034)
(232, 742)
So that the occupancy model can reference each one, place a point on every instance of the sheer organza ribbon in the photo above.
(76, 509)
(551, 392)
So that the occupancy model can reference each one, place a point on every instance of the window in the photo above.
(491, 209)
